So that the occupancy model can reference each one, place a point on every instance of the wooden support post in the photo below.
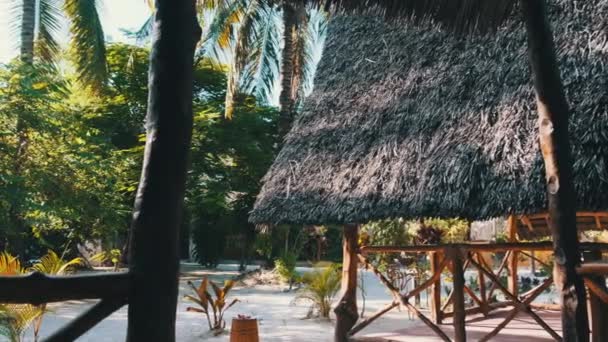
(598, 310)
(346, 310)
(481, 279)
(455, 256)
(435, 289)
(158, 208)
(512, 236)
(87, 320)
(553, 116)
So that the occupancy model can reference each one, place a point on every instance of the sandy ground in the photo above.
(279, 318)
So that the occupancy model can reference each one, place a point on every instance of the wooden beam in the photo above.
(592, 268)
(597, 290)
(427, 321)
(402, 299)
(87, 320)
(435, 289)
(482, 286)
(364, 323)
(476, 310)
(346, 310)
(598, 308)
(512, 280)
(578, 214)
(503, 264)
(519, 305)
(434, 277)
(554, 140)
(485, 247)
(37, 288)
(511, 315)
(458, 320)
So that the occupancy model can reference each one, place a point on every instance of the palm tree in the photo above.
(246, 34)
(38, 23)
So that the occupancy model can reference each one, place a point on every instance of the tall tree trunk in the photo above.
(158, 205)
(26, 54)
(28, 23)
(554, 142)
(239, 60)
(346, 310)
(286, 100)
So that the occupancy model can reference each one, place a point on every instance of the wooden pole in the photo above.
(482, 286)
(157, 213)
(512, 235)
(598, 310)
(459, 311)
(435, 289)
(346, 310)
(37, 288)
(553, 113)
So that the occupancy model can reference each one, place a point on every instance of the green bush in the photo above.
(285, 266)
(320, 287)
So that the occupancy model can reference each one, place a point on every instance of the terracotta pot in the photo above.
(244, 330)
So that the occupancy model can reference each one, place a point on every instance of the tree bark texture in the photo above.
(28, 24)
(346, 310)
(286, 102)
(553, 114)
(154, 258)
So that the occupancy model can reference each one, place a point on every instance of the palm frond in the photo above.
(262, 71)
(313, 40)
(219, 34)
(240, 55)
(16, 318)
(87, 41)
(144, 33)
(49, 16)
(10, 265)
(51, 263)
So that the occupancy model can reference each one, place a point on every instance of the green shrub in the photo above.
(285, 267)
(320, 287)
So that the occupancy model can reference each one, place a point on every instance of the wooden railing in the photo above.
(456, 258)
(36, 288)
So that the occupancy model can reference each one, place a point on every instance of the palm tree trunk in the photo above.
(286, 100)
(28, 21)
(233, 96)
(554, 142)
(158, 205)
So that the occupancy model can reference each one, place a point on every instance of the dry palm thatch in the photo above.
(461, 15)
(411, 121)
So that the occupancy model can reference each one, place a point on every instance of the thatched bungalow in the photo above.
(410, 120)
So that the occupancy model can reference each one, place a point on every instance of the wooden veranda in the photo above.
(455, 259)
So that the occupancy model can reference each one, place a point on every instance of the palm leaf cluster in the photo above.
(247, 35)
(38, 24)
(15, 319)
(212, 307)
(320, 287)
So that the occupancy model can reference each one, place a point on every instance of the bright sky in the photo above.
(115, 15)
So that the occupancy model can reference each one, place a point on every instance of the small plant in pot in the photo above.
(213, 308)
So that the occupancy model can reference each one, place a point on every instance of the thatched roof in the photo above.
(410, 121)
(459, 15)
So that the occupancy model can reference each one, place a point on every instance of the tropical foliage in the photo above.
(320, 286)
(15, 319)
(213, 308)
